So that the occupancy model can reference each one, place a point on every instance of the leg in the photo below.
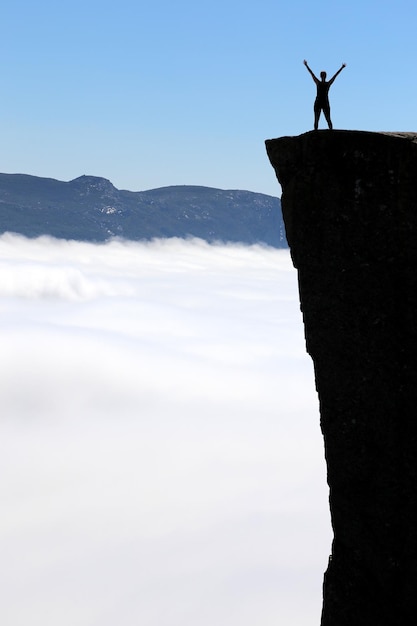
(326, 111)
(317, 111)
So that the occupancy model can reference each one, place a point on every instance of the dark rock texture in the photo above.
(90, 208)
(350, 209)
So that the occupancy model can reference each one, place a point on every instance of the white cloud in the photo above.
(161, 455)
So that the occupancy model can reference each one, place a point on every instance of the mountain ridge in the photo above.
(91, 208)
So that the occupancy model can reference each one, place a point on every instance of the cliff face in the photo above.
(350, 209)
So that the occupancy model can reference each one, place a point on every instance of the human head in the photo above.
(323, 75)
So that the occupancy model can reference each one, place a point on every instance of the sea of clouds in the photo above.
(161, 457)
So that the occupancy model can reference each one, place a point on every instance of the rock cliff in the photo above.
(350, 209)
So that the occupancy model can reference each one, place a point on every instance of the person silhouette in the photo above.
(321, 102)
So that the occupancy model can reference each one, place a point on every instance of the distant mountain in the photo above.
(90, 208)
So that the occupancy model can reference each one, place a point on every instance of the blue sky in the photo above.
(163, 93)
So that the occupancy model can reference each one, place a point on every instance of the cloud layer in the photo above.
(162, 461)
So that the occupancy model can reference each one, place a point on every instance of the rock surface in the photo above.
(350, 209)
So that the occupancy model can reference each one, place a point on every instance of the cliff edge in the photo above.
(350, 210)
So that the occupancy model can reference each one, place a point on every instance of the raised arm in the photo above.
(337, 73)
(316, 80)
